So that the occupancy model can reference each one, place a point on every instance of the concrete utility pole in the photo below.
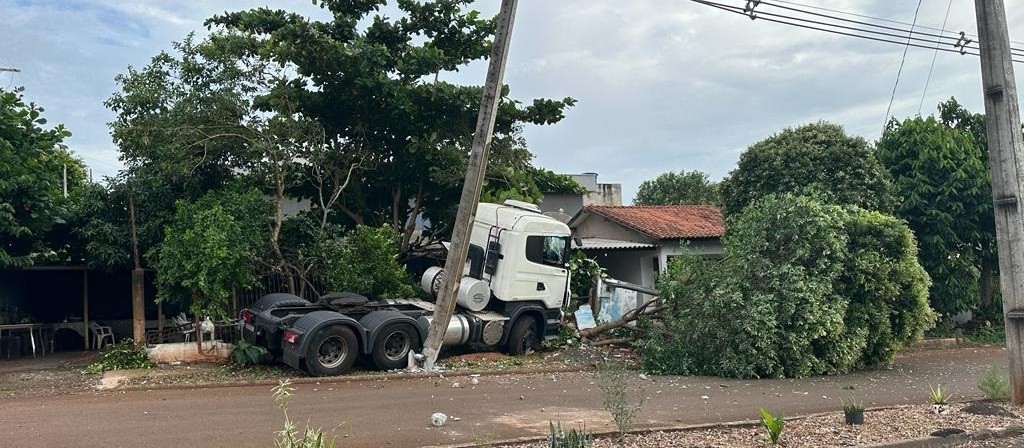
(459, 250)
(1006, 154)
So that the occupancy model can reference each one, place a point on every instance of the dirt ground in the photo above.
(390, 412)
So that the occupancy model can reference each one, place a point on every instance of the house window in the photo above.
(656, 264)
(549, 250)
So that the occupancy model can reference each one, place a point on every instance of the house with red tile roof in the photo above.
(633, 243)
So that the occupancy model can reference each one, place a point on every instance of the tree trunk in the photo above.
(985, 288)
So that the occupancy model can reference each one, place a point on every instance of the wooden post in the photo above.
(138, 283)
(459, 250)
(85, 308)
(1006, 155)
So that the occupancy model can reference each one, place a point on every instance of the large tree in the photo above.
(684, 187)
(955, 116)
(943, 186)
(817, 159)
(373, 84)
(39, 180)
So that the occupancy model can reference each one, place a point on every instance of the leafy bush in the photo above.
(290, 436)
(806, 288)
(994, 385)
(773, 424)
(246, 354)
(583, 270)
(367, 263)
(816, 158)
(120, 356)
(573, 438)
(613, 380)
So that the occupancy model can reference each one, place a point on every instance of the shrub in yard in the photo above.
(290, 436)
(806, 288)
(773, 425)
(246, 354)
(571, 438)
(613, 380)
(994, 385)
(120, 356)
(366, 262)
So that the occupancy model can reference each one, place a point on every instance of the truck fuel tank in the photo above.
(457, 333)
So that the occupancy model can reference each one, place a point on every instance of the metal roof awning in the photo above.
(604, 243)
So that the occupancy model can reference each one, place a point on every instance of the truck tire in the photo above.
(332, 351)
(392, 347)
(278, 300)
(524, 336)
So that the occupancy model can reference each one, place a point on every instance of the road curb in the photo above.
(349, 379)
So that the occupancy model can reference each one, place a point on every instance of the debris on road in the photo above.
(438, 419)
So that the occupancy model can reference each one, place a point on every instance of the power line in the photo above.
(935, 55)
(900, 71)
(797, 23)
(853, 14)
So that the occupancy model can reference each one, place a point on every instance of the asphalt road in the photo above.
(396, 413)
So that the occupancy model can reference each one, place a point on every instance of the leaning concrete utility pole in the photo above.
(1006, 155)
(459, 250)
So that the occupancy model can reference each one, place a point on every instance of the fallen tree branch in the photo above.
(614, 341)
(624, 321)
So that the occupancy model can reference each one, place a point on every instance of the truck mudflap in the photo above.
(297, 338)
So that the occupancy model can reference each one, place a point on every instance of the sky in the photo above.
(662, 85)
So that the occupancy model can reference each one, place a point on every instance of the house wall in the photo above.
(627, 265)
(594, 226)
(569, 204)
(708, 247)
(605, 194)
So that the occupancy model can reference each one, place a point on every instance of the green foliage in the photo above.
(567, 337)
(853, 406)
(290, 436)
(583, 269)
(805, 289)
(120, 356)
(613, 379)
(994, 385)
(773, 425)
(367, 263)
(210, 248)
(383, 103)
(943, 183)
(937, 395)
(995, 335)
(817, 159)
(551, 183)
(572, 438)
(684, 187)
(246, 354)
(32, 164)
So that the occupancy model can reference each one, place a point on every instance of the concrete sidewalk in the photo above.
(396, 412)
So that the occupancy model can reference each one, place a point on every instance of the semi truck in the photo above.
(514, 286)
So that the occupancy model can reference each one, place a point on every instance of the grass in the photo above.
(994, 385)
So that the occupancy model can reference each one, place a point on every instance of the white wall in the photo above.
(708, 247)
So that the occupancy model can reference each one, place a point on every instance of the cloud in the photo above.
(662, 85)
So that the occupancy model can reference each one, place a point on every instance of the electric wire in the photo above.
(852, 14)
(900, 71)
(794, 21)
(935, 56)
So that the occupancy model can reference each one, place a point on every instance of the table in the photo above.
(31, 329)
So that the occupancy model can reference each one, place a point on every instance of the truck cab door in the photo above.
(545, 275)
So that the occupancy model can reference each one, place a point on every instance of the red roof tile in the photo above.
(667, 221)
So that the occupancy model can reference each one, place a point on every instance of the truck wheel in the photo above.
(332, 351)
(392, 347)
(523, 337)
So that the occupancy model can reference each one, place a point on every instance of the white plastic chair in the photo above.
(100, 334)
(186, 327)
